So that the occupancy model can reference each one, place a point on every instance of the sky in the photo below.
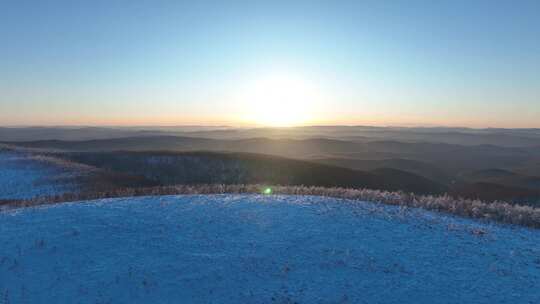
(280, 63)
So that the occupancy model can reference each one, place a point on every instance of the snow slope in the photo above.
(22, 177)
(260, 249)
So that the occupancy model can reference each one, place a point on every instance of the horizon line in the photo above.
(224, 126)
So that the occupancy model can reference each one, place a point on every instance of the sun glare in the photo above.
(279, 100)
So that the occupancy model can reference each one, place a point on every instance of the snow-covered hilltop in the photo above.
(24, 176)
(260, 249)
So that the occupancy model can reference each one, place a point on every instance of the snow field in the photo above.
(260, 249)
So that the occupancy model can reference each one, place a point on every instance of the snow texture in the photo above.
(260, 249)
(22, 177)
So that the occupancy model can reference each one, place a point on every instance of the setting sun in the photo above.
(279, 100)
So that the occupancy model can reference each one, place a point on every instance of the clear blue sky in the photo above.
(467, 63)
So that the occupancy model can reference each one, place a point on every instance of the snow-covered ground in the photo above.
(22, 177)
(260, 249)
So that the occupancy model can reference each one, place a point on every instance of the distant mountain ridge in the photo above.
(459, 136)
(465, 170)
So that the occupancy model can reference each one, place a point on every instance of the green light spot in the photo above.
(267, 191)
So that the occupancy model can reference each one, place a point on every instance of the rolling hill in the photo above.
(169, 168)
(432, 167)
